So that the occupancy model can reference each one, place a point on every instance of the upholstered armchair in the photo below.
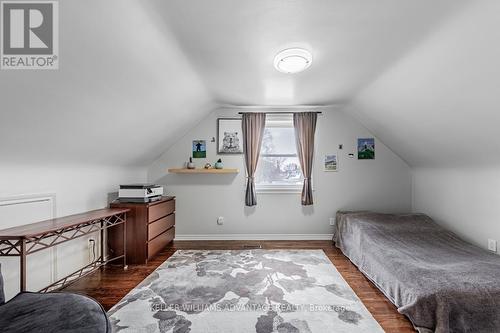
(54, 312)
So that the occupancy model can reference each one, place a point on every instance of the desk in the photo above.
(24, 240)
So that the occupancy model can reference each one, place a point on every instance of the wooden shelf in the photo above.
(204, 171)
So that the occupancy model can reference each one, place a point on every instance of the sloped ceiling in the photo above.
(439, 105)
(123, 92)
(135, 75)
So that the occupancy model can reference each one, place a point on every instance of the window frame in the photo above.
(279, 120)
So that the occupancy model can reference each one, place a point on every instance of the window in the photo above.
(279, 168)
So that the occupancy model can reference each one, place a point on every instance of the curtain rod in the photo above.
(277, 112)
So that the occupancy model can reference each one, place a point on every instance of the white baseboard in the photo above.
(254, 237)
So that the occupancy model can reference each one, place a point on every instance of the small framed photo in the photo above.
(229, 139)
(366, 149)
(331, 162)
(199, 149)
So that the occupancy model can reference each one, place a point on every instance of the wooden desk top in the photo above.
(43, 227)
(119, 204)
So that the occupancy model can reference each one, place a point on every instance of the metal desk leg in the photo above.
(22, 271)
(102, 242)
(125, 242)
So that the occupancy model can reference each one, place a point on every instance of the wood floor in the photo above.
(111, 283)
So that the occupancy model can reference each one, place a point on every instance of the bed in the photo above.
(440, 282)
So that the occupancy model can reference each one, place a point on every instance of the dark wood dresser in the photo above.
(150, 227)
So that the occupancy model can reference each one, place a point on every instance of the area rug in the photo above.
(260, 291)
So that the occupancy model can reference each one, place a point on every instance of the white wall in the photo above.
(77, 188)
(382, 184)
(464, 200)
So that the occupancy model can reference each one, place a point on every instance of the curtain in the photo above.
(304, 124)
(253, 125)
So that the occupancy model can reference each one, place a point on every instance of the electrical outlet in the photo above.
(492, 245)
(92, 249)
(220, 220)
(332, 220)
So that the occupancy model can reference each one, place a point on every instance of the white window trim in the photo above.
(278, 189)
(282, 189)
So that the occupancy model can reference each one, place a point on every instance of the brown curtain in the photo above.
(305, 127)
(253, 125)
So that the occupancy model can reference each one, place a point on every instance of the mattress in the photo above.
(439, 281)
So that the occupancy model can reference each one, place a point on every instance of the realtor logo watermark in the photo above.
(30, 35)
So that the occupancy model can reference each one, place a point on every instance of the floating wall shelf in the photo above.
(204, 171)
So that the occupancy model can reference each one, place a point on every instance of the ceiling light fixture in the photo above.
(292, 60)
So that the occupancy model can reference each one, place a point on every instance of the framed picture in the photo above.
(199, 149)
(366, 149)
(229, 139)
(331, 162)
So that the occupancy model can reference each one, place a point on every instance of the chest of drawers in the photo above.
(150, 227)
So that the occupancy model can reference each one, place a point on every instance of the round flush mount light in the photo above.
(292, 60)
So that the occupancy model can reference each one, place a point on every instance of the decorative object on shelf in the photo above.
(208, 166)
(366, 149)
(190, 164)
(218, 164)
(203, 170)
(331, 162)
(229, 135)
(199, 149)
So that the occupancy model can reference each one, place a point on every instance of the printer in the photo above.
(140, 193)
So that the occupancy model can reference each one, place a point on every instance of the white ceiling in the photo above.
(135, 75)
(232, 44)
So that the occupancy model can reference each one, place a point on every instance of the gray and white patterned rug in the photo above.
(260, 291)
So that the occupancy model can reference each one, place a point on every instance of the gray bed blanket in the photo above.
(440, 282)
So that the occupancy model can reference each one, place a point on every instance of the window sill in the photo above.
(278, 190)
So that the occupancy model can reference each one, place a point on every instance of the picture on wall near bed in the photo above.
(229, 136)
(199, 149)
(331, 163)
(366, 149)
